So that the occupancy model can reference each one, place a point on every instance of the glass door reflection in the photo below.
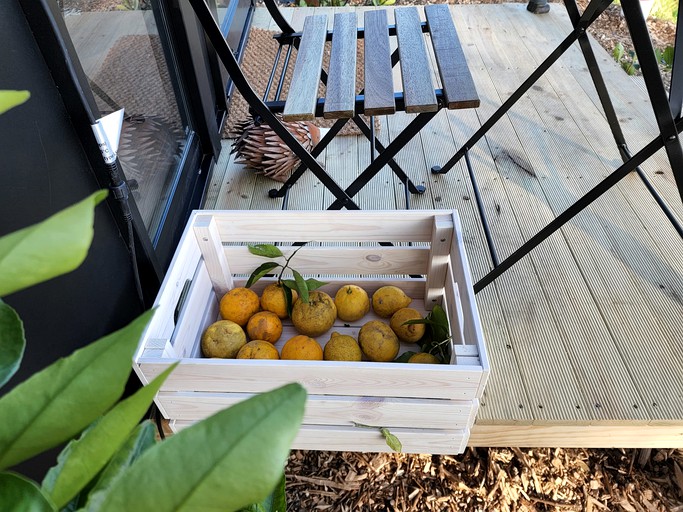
(123, 55)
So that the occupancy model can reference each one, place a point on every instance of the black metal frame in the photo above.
(667, 114)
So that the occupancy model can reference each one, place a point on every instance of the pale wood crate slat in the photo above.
(312, 437)
(303, 92)
(418, 88)
(340, 96)
(335, 410)
(379, 84)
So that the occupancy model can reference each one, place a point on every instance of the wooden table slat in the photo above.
(303, 92)
(341, 83)
(418, 88)
(379, 84)
(456, 78)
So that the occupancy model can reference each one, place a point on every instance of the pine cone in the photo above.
(262, 150)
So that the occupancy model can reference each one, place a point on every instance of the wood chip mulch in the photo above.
(500, 479)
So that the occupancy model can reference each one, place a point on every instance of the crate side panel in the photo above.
(325, 226)
(323, 377)
(358, 439)
(336, 410)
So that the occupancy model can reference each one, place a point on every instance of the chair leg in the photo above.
(383, 159)
(298, 172)
(398, 171)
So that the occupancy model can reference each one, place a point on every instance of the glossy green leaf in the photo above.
(60, 401)
(226, 462)
(48, 249)
(266, 250)
(403, 358)
(11, 99)
(12, 342)
(140, 440)
(314, 284)
(393, 442)
(83, 458)
(289, 299)
(275, 502)
(261, 271)
(19, 494)
(301, 286)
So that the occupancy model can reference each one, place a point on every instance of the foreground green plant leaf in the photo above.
(53, 247)
(20, 494)
(11, 99)
(224, 463)
(83, 458)
(12, 342)
(392, 441)
(141, 439)
(60, 401)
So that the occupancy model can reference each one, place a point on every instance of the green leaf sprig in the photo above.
(392, 441)
(299, 284)
(437, 337)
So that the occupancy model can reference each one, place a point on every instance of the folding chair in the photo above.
(378, 96)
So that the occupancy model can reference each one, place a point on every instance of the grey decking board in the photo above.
(500, 406)
(379, 85)
(341, 85)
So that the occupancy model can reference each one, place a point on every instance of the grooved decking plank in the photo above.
(237, 188)
(341, 86)
(456, 79)
(379, 84)
(596, 235)
(303, 91)
(418, 88)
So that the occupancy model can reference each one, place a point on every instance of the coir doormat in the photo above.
(256, 64)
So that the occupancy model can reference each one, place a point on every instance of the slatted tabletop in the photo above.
(378, 97)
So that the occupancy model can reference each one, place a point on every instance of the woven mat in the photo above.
(256, 65)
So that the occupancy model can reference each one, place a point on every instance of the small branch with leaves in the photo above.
(299, 284)
(392, 441)
(437, 337)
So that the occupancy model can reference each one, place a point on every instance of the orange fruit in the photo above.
(302, 347)
(258, 349)
(264, 325)
(273, 299)
(410, 333)
(342, 347)
(222, 339)
(423, 358)
(352, 303)
(378, 342)
(239, 304)
(316, 316)
(387, 300)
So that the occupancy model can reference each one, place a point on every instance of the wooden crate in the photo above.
(431, 408)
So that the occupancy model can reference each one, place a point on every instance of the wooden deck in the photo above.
(585, 335)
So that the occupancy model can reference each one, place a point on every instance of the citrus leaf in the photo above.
(58, 402)
(392, 441)
(301, 286)
(83, 458)
(11, 99)
(403, 358)
(236, 458)
(275, 502)
(12, 342)
(289, 283)
(313, 284)
(19, 494)
(266, 250)
(53, 247)
(261, 271)
(142, 438)
(289, 299)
